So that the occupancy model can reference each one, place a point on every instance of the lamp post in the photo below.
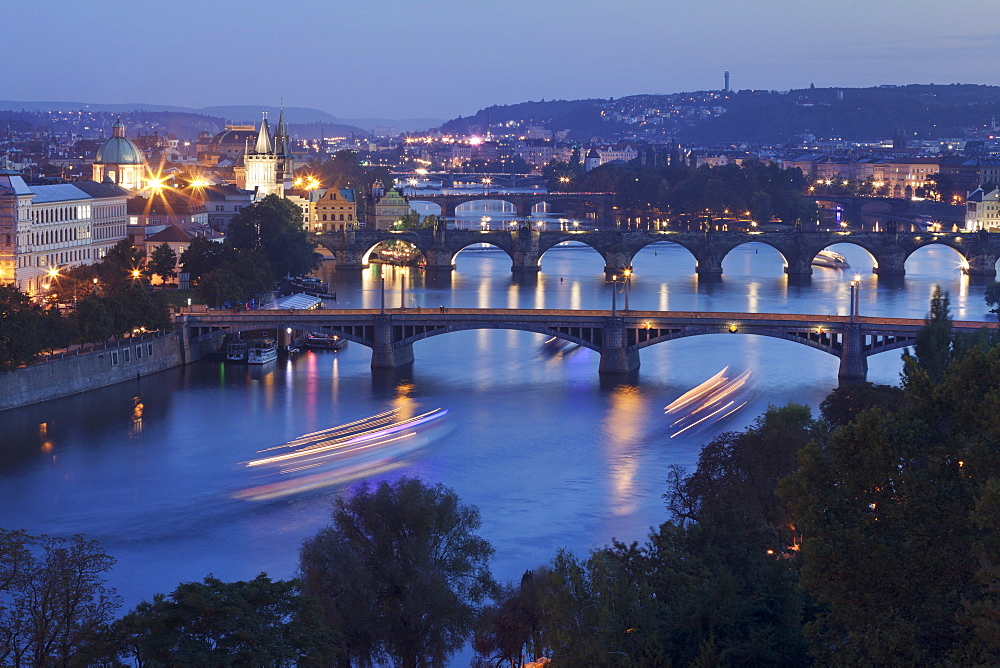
(628, 283)
(382, 295)
(402, 288)
(486, 185)
(614, 294)
(855, 292)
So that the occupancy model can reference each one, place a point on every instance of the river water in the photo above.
(552, 456)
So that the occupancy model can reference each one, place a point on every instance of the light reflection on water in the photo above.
(553, 456)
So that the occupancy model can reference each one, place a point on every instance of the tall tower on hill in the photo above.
(726, 88)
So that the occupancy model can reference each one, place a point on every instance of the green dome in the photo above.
(119, 149)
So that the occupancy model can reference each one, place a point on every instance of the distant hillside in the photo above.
(923, 111)
(238, 114)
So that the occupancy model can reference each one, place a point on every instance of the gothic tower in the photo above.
(264, 167)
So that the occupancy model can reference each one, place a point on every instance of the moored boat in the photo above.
(262, 351)
(236, 350)
(325, 342)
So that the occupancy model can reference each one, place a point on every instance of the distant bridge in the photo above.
(599, 204)
(450, 180)
(526, 243)
(617, 337)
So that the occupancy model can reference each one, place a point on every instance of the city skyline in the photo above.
(444, 59)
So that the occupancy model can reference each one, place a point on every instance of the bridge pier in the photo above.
(525, 255)
(983, 265)
(890, 264)
(615, 263)
(853, 361)
(616, 356)
(799, 267)
(386, 354)
(708, 268)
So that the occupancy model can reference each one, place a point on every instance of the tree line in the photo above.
(110, 299)
(867, 535)
(761, 192)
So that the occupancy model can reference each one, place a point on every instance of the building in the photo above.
(268, 163)
(109, 213)
(982, 210)
(120, 161)
(389, 209)
(164, 208)
(46, 229)
(223, 203)
(335, 210)
(174, 237)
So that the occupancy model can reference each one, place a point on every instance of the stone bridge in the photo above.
(616, 336)
(526, 244)
(598, 203)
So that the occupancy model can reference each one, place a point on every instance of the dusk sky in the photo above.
(443, 58)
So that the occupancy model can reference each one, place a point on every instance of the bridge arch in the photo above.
(961, 261)
(727, 250)
(872, 257)
(653, 246)
(407, 236)
(588, 337)
(489, 240)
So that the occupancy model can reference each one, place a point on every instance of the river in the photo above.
(552, 456)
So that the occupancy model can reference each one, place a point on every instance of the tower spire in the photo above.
(264, 144)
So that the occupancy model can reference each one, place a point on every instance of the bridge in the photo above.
(600, 204)
(616, 336)
(449, 179)
(525, 244)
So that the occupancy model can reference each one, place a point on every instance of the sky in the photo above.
(444, 58)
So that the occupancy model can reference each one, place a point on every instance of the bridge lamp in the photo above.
(733, 328)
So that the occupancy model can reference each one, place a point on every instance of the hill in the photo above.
(924, 111)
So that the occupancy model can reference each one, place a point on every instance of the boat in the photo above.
(236, 350)
(345, 452)
(325, 342)
(312, 286)
(261, 351)
(710, 402)
(831, 260)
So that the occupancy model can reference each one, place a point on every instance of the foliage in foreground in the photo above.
(399, 573)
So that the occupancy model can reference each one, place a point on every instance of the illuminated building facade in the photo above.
(120, 161)
(335, 210)
(389, 209)
(46, 229)
(268, 163)
(982, 210)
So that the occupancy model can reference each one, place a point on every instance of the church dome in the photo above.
(119, 149)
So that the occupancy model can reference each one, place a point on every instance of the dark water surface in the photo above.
(552, 456)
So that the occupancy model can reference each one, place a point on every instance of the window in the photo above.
(114, 358)
(138, 352)
(149, 350)
(125, 354)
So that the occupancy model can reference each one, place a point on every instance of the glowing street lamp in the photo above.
(402, 289)
(486, 185)
(628, 282)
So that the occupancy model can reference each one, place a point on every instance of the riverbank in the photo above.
(90, 368)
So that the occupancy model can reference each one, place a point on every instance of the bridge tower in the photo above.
(616, 355)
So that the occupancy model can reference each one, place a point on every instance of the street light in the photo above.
(486, 185)
(614, 294)
(628, 282)
(855, 292)
(402, 288)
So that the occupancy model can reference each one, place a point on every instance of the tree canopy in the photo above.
(399, 573)
(274, 227)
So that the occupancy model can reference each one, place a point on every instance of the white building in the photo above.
(120, 161)
(46, 229)
(268, 163)
(982, 210)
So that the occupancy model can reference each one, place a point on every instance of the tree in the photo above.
(120, 262)
(992, 296)
(399, 573)
(409, 221)
(163, 262)
(897, 544)
(201, 257)
(847, 402)
(26, 329)
(760, 207)
(54, 600)
(241, 277)
(274, 227)
(933, 342)
(259, 622)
